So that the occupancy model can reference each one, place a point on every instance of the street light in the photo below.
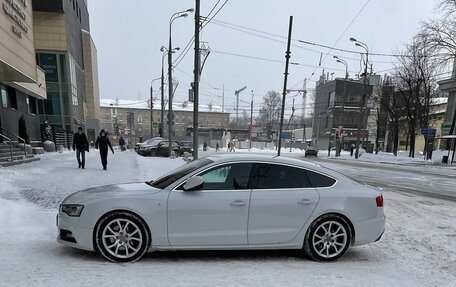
(152, 106)
(162, 115)
(363, 101)
(170, 77)
(340, 143)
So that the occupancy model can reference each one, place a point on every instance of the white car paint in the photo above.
(224, 220)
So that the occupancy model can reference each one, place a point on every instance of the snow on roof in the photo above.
(144, 104)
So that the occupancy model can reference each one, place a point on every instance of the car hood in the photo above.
(109, 191)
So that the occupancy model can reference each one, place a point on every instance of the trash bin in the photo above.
(445, 159)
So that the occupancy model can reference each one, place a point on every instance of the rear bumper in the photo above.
(369, 231)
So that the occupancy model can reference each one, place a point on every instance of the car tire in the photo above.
(122, 245)
(328, 238)
(152, 153)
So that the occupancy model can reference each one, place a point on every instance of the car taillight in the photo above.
(379, 201)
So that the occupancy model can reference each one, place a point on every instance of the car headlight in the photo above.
(72, 209)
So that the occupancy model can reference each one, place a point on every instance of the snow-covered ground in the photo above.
(418, 248)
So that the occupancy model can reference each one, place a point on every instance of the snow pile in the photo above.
(418, 248)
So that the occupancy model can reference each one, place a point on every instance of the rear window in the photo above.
(320, 180)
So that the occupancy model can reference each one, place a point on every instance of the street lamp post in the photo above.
(170, 78)
(341, 114)
(363, 101)
(152, 107)
(162, 114)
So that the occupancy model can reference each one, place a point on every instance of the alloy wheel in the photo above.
(329, 239)
(122, 238)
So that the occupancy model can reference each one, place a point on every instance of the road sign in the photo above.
(428, 132)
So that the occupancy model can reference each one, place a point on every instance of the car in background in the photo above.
(141, 147)
(185, 146)
(226, 202)
(311, 151)
(158, 147)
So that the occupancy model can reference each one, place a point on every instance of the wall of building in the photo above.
(182, 120)
(91, 77)
(17, 51)
(9, 116)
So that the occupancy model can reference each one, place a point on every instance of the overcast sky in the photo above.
(129, 34)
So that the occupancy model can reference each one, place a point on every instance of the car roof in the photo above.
(259, 157)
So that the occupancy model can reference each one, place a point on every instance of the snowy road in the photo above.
(430, 181)
(418, 248)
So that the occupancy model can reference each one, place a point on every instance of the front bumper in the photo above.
(70, 233)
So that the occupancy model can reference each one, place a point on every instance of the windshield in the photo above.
(180, 172)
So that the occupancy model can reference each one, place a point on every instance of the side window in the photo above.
(227, 177)
(319, 180)
(275, 176)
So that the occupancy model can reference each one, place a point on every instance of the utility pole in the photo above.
(151, 111)
(196, 75)
(251, 121)
(223, 98)
(237, 92)
(289, 121)
(287, 57)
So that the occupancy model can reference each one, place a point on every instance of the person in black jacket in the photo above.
(103, 143)
(81, 145)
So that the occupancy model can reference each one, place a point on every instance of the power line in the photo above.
(340, 37)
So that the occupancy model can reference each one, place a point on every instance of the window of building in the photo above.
(4, 96)
(8, 97)
(31, 105)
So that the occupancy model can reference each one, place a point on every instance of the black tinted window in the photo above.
(227, 177)
(319, 180)
(274, 176)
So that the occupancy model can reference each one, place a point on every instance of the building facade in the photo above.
(67, 54)
(22, 82)
(134, 118)
(337, 113)
(448, 87)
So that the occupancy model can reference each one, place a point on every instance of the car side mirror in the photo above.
(193, 183)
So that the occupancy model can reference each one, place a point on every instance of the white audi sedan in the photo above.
(226, 202)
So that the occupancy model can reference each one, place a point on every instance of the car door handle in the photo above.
(305, 201)
(238, 203)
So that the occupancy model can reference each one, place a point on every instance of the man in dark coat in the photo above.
(122, 144)
(103, 143)
(81, 145)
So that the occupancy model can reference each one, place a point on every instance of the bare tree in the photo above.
(269, 113)
(415, 83)
(440, 34)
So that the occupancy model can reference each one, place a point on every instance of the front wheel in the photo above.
(122, 237)
(152, 153)
(328, 238)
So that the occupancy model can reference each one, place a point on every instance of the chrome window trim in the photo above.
(197, 172)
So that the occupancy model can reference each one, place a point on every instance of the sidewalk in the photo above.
(402, 158)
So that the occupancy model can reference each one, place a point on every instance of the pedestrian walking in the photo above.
(217, 146)
(352, 148)
(80, 145)
(205, 146)
(122, 144)
(102, 143)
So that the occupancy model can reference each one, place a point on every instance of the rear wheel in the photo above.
(328, 238)
(122, 237)
(152, 153)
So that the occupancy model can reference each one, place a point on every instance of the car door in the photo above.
(217, 214)
(162, 148)
(282, 200)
